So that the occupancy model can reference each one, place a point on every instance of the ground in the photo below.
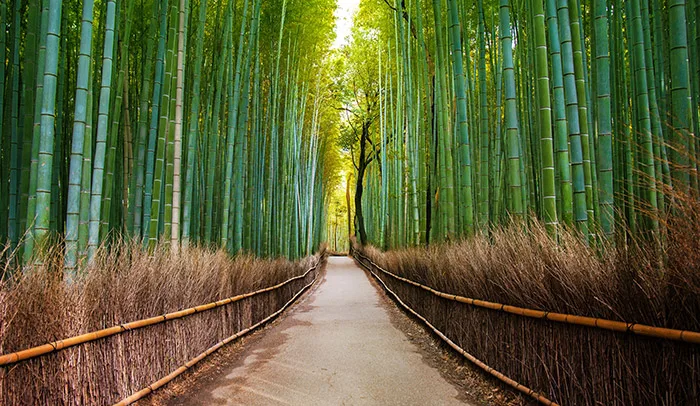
(344, 342)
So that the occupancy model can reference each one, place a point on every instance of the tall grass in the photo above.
(125, 284)
(520, 265)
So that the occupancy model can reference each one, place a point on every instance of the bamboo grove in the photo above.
(581, 113)
(170, 121)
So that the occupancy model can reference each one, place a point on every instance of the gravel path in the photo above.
(338, 347)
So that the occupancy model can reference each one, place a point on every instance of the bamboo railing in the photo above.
(166, 379)
(497, 374)
(619, 326)
(54, 346)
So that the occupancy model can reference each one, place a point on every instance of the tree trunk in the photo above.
(359, 217)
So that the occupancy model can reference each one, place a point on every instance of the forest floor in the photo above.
(344, 343)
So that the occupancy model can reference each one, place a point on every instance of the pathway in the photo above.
(337, 347)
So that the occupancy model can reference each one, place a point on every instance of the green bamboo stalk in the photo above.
(4, 135)
(118, 122)
(680, 95)
(192, 137)
(446, 194)
(78, 141)
(165, 226)
(656, 125)
(515, 198)
(240, 141)
(582, 103)
(234, 100)
(15, 145)
(158, 221)
(604, 120)
(102, 127)
(86, 179)
(177, 163)
(149, 186)
(545, 119)
(573, 119)
(646, 161)
(48, 117)
(464, 144)
(143, 128)
(30, 70)
(213, 158)
(483, 123)
(35, 125)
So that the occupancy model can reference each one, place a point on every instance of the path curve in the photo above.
(338, 347)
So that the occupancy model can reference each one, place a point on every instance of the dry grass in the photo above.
(522, 266)
(128, 284)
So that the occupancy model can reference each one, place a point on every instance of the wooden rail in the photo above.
(500, 376)
(619, 326)
(54, 346)
(166, 379)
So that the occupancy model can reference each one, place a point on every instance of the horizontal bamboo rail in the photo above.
(168, 378)
(619, 326)
(500, 376)
(54, 346)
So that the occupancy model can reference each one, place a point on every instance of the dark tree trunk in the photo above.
(347, 199)
(432, 143)
(359, 183)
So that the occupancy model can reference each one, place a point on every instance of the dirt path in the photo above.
(337, 347)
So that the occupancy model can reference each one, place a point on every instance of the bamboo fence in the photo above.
(189, 364)
(37, 351)
(619, 326)
(555, 357)
(99, 366)
(500, 376)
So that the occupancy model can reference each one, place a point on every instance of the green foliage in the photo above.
(446, 118)
(571, 114)
(133, 128)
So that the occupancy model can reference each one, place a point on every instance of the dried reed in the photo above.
(125, 284)
(521, 266)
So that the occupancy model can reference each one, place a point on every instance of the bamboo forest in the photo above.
(519, 178)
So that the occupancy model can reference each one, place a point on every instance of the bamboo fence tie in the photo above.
(54, 346)
(500, 376)
(686, 336)
(189, 364)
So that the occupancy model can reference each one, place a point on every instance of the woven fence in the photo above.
(566, 363)
(107, 369)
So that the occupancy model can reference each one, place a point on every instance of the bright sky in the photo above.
(343, 20)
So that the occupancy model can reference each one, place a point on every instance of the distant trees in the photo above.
(360, 111)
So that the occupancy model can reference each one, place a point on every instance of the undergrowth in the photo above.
(127, 283)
